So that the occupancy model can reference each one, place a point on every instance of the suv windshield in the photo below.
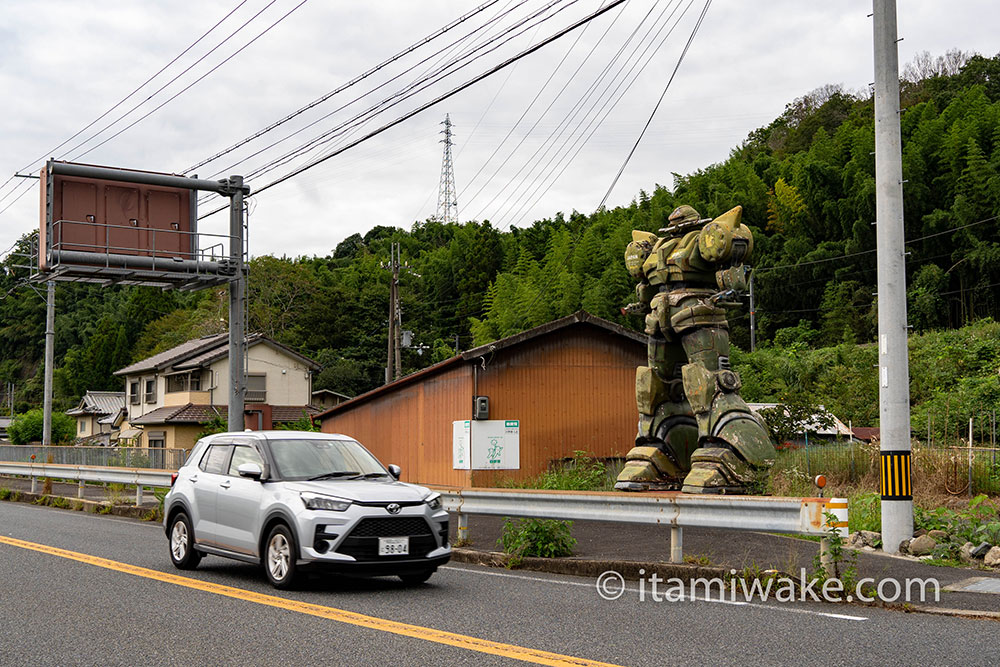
(297, 458)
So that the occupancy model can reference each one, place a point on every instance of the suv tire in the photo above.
(182, 551)
(280, 554)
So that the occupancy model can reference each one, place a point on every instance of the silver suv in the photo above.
(293, 501)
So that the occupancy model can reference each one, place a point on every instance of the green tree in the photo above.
(27, 428)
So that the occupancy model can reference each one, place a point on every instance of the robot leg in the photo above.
(667, 430)
(733, 444)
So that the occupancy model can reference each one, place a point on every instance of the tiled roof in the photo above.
(167, 357)
(192, 413)
(222, 351)
(99, 403)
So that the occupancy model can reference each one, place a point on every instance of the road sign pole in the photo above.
(894, 375)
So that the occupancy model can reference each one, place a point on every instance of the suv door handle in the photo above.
(225, 484)
(193, 478)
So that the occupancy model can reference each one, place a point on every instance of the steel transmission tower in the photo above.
(447, 209)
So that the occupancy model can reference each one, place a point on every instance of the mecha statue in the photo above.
(693, 424)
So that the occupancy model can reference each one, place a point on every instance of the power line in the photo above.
(436, 100)
(323, 98)
(348, 127)
(593, 124)
(196, 81)
(122, 101)
(568, 118)
(660, 101)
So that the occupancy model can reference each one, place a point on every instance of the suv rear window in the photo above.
(216, 459)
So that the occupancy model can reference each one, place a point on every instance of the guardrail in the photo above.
(139, 477)
(799, 516)
(123, 457)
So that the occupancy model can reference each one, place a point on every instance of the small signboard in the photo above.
(486, 444)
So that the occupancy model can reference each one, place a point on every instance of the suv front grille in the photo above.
(362, 542)
(391, 527)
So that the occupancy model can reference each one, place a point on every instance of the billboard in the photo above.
(106, 217)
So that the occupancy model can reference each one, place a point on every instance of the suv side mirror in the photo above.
(251, 470)
(395, 470)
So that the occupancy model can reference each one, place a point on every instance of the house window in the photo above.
(82, 426)
(151, 391)
(184, 382)
(133, 392)
(256, 388)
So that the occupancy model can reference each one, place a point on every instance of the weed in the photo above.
(842, 566)
(116, 494)
(581, 473)
(104, 509)
(462, 543)
(5, 493)
(546, 538)
(697, 560)
(59, 501)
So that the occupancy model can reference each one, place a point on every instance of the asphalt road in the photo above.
(56, 610)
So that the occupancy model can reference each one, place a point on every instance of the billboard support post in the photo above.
(50, 336)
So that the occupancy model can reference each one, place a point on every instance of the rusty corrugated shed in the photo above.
(570, 383)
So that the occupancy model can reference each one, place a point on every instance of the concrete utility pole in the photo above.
(753, 317)
(50, 338)
(893, 361)
(237, 296)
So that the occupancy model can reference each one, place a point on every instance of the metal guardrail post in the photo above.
(80, 488)
(463, 528)
(138, 495)
(676, 544)
(34, 483)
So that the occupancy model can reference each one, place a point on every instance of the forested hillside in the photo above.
(806, 183)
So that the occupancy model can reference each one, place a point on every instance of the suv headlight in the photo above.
(315, 501)
(434, 502)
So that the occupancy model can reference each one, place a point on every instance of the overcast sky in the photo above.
(63, 64)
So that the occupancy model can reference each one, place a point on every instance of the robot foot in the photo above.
(717, 470)
(646, 469)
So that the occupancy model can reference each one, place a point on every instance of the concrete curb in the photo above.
(82, 505)
(582, 567)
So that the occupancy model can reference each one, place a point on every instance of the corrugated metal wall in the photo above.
(572, 389)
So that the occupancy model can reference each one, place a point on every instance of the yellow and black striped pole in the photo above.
(895, 475)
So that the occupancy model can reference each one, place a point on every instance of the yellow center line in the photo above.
(340, 615)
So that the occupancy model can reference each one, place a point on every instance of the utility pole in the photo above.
(894, 374)
(392, 359)
(753, 317)
(50, 337)
(447, 208)
(237, 295)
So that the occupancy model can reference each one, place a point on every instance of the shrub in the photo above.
(27, 428)
(545, 538)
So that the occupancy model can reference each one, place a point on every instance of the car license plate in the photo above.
(393, 546)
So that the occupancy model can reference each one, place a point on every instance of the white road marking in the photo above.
(735, 603)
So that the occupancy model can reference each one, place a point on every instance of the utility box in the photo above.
(481, 407)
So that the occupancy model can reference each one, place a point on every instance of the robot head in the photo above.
(683, 218)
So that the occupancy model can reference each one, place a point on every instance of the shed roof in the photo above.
(581, 317)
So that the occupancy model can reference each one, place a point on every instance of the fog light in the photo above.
(321, 546)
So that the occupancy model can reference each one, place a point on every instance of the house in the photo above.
(836, 430)
(326, 398)
(570, 384)
(173, 394)
(99, 416)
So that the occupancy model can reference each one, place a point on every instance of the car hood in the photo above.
(364, 490)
